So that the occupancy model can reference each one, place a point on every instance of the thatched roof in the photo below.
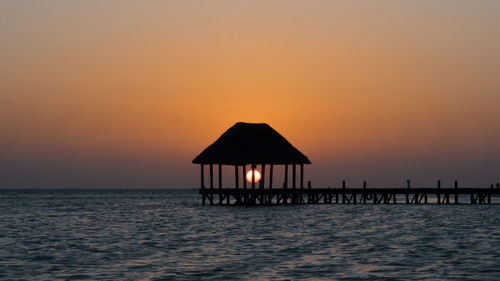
(248, 143)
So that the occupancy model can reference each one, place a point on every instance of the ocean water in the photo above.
(169, 235)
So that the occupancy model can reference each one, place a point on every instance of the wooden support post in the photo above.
(408, 185)
(343, 193)
(489, 195)
(271, 176)
(301, 175)
(263, 176)
(236, 177)
(286, 177)
(439, 195)
(456, 192)
(202, 174)
(294, 175)
(261, 184)
(202, 177)
(244, 176)
(253, 176)
(211, 176)
(221, 198)
(364, 195)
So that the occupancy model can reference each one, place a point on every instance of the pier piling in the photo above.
(364, 195)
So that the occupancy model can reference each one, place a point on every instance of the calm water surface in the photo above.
(168, 235)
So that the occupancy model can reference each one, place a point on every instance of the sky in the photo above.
(124, 94)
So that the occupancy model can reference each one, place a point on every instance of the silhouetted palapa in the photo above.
(251, 144)
(248, 143)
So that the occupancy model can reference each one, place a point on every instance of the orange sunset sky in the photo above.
(127, 93)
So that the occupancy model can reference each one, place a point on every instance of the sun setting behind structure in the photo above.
(176, 139)
(257, 176)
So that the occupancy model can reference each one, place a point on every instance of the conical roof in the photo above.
(251, 143)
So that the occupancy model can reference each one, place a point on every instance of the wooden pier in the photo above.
(252, 145)
(284, 196)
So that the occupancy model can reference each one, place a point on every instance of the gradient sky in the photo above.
(127, 93)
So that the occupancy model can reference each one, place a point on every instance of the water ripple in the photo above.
(164, 235)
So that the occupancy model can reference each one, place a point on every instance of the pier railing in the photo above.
(283, 196)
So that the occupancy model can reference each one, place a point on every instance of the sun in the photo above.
(257, 176)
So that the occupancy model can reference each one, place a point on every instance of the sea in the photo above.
(169, 235)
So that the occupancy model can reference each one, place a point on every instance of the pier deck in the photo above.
(283, 196)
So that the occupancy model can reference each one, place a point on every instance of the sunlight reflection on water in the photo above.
(155, 235)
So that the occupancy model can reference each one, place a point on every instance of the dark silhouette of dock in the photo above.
(284, 196)
(247, 144)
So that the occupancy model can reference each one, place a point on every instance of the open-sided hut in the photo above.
(252, 144)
